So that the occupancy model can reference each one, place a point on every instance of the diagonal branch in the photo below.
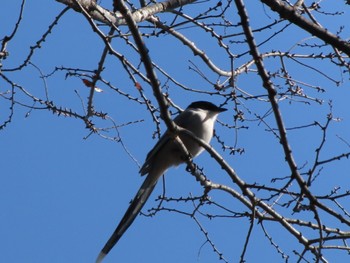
(289, 13)
(268, 85)
(154, 82)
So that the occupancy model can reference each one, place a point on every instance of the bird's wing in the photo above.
(164, 139)
(130, 214)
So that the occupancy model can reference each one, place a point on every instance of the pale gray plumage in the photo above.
(199, 118)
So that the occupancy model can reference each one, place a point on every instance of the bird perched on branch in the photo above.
(199, 118)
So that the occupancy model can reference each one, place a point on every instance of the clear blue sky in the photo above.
(62, 196)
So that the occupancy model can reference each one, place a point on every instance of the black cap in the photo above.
(206, 105)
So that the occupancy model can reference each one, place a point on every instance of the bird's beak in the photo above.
(221, 109)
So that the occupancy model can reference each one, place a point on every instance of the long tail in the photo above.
(130, 214)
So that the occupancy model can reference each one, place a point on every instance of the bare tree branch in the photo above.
(291, 13)
(106, 16)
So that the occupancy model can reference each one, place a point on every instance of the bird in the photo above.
(199, 118)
